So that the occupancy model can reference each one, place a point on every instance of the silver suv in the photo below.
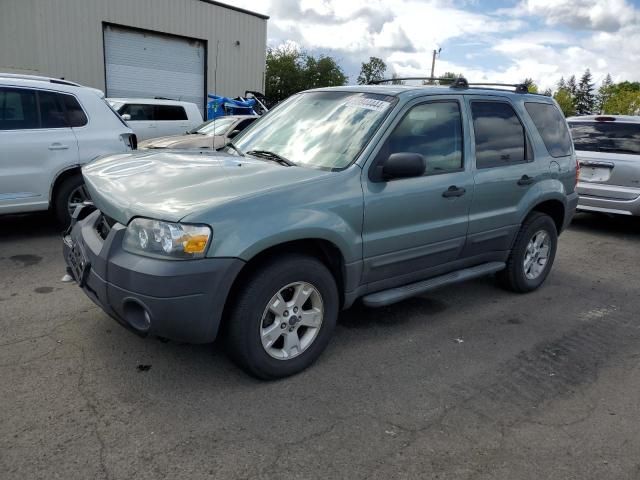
(608, 149)
(49, 128)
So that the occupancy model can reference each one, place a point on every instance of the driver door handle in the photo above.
(453, 191)
(526, 180)
(58, 146)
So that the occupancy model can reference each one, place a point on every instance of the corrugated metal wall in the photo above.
(63, 38)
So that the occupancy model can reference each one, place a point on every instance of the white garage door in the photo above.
(148, 65)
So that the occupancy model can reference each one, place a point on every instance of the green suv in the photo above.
(375, 193)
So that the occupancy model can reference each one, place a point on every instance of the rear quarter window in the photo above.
(169, 112)
(608, 137)
(552, 127)
(75, 115)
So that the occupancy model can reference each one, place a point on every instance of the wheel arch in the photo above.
(322, 249)
(553, 207)
(60, 177)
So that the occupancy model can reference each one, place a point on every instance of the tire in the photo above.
(252, 320)
(61, 203)
(515, 277)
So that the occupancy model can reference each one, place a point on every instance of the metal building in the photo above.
(179, 49)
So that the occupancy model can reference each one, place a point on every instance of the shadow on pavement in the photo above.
(29, 225)
(602, 224)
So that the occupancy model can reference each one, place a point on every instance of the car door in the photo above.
(504, 171)
(140, 117)
(412, 225)
(36, 144)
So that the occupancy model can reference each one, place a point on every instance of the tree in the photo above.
(562, 84)
(548, 93)
(572, 86)
(323, 72)
(623, 99)
(531, 86)
(395, 80)
(585, 100)
(372, 70)
(283, 75)
(290, 70)
(449, 77)
(565, 102)
(604, 92)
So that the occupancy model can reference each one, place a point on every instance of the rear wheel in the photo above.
(532, 255)
(69, 194)
(283, 317)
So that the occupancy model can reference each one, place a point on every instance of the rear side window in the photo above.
(499, 135)
(18, 109)
(606, 137)
(75, 115)
(51, 111)
(552, 128)
(138, 112)
(434, 130)
(169, 112)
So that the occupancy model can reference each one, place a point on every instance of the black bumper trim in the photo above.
(184, 299)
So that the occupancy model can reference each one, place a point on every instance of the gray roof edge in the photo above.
(237, 9)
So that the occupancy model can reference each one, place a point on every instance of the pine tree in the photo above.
(604, 92)
(572, 87)
(585, 100)
(562, 84)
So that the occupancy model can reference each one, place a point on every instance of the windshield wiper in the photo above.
(266, 154)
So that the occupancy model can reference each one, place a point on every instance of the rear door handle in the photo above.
(453, 191)
(58, 146)
(526, 180)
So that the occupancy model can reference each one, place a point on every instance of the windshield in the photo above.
(606, 137)
(325, 130)
(218, 126)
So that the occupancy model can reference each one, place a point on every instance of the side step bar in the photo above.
(393, 295)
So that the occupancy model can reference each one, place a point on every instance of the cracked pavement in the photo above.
(469, 382)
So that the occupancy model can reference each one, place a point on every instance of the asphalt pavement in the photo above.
(468, 382)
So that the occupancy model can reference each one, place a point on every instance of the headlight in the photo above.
(165, 239)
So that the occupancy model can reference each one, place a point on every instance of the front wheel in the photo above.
(70, 194)
(283, 317)
(532, 255)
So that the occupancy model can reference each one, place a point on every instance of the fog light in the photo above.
(136, 315)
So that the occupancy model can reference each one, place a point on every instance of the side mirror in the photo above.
(403, 165)
(233, 133)
(126, 117)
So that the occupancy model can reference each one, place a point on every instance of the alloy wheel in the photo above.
(537, 254)
(292, 320)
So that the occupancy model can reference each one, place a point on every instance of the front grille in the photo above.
(104, 225)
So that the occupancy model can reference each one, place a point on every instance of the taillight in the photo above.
(577, 170)
(130, 140)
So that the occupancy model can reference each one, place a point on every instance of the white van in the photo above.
(48, 129)
(151, 117)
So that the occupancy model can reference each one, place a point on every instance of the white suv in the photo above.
(154, 117)
(49, 128)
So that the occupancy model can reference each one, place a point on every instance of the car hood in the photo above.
(169, 185)
(184, 141)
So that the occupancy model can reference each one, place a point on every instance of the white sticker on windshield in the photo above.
(368, 103)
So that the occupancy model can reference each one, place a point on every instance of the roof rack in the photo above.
(39, 78)
(459, 82)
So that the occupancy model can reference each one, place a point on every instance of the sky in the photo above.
(493, 40)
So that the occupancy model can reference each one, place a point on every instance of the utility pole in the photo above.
(433, 62)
